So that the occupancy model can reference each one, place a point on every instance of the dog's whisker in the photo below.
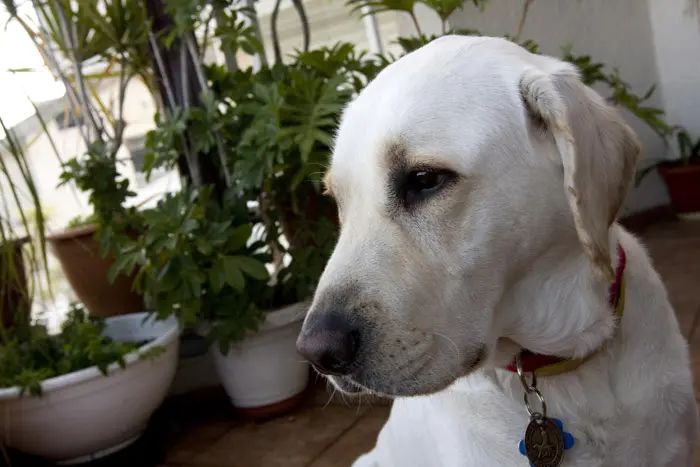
(330, 397)
(452, 343)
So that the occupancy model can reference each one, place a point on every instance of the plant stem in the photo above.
(523, 17)
(229, 56)
(305, 28)
(71, 39)
(172, 104)
(276, 48)
(416, 23)
(199, 72)
(253, 18)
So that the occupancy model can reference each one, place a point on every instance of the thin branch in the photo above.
(416, 23)
(71, 36)
(203, 84)
(52, 64)
(161, 68)
(205, 36)
(523, 17)
(273, 32)
(184, 78)
(172, 103)
(119, 123)
(229, 56)
(305, 27)
(253, 18)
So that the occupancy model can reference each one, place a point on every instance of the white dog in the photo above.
(478, 186)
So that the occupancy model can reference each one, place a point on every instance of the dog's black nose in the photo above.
(330, 343)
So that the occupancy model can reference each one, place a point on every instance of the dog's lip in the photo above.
(349, 386)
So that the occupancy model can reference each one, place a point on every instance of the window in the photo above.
(67, 119)
(138, 151)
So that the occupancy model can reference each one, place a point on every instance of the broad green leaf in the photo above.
(234, 276)
(239, 237)
(217, 275)
(252, 267)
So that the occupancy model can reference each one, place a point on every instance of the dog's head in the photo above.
(455, 169)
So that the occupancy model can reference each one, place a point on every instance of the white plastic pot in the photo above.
(85, 415)
(265, 368)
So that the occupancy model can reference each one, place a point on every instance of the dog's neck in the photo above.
(559, 307)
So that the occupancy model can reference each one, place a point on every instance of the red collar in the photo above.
(546, 365)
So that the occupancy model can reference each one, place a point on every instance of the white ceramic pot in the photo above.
(85, 415)
(264, 368)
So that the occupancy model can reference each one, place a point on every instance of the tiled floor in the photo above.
(332, 436)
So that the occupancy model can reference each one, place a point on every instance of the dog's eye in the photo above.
(423, 183)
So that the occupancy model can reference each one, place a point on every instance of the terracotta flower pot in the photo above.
(87, 272)
(15, 303)
(683, 182)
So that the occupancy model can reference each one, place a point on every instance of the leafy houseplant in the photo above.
(90, 47)
(31, 355)
(277, 123)
(204, 251)
(280, 127)
(21, 261)
(58, 391)
(85, 250)
(682, 176)
(195, 260)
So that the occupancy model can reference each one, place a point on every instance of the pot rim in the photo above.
(274, 319)
(674, 167)
(18, 241)
(90, 373)
(68, 234)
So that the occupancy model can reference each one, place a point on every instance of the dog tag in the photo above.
(543, 443)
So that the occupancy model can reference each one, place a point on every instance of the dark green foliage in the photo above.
(31, 355)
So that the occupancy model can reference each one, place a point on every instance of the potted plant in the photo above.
(281, 123)
(682, 177)
(86, 266)
(91, 55)
(198, 260)
(87, 391)
(15, 302)
(21, 261)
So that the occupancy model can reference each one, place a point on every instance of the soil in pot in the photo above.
(87, 272)
(683, 182)
(15, 303)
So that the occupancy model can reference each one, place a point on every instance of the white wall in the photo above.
(331, 21)
(676, 34)
(650, 43)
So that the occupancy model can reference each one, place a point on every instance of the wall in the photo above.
(620, 34)
(677, 43)
(331, 21)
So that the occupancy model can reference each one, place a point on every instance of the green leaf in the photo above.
(239, 237)
(234, 276)
(252, 267)
(217, 275)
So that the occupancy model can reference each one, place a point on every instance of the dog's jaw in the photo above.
(416, 385)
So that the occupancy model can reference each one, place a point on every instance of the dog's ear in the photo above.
(598, 152)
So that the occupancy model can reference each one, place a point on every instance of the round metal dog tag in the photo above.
(544, 443)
